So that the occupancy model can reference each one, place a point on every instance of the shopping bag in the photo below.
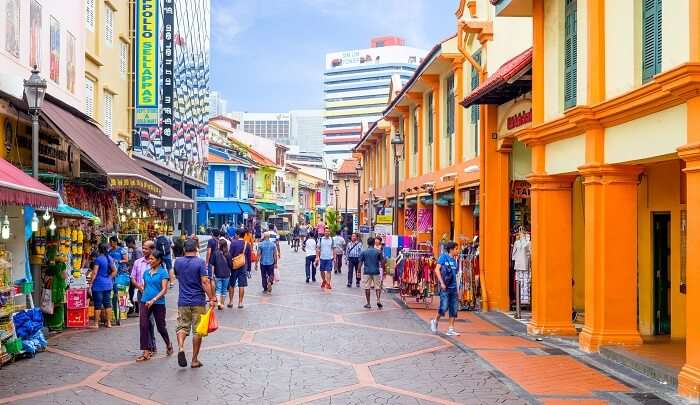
(203, 325)
(277, 275)
(46, 301)
(213, 323)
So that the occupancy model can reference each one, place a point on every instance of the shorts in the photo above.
(239, 278)
(326, 265)
(372, 281)
(168, 261)
(222, 285)
(188, 318)
(102, 299)
(448, 303)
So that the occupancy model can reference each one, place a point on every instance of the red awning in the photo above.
(17, 188)
(503, 85)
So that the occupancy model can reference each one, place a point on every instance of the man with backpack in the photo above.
(164, 245)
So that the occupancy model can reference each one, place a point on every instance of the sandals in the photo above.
(169, 351)
(144, 357)
(198, 364)
(181, 359)
(229, 306)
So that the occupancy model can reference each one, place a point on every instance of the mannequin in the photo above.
(521, 258)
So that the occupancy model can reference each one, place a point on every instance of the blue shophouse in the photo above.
(225, 200)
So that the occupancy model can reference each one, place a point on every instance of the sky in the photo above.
(269, 55)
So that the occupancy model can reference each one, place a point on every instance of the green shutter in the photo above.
(475, 84)
(570, 51)
(450, 114)
(415, 131)
(651, 39)
(430, 118)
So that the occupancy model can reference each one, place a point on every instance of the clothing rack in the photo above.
(418, 278)
(469, 288)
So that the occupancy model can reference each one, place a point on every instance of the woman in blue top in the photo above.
(103, 273)
(155, 286)
(446, 273)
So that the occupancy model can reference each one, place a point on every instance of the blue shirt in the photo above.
(190, 270)
(371, 260)
(101, 281)
(152, 284)
(267, 252)
(448, 271)
(117, 254)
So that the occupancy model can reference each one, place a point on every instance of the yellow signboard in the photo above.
(147, 48)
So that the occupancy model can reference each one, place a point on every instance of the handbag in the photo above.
(46, 301)
(277, 275)
(213, 324)
(239, 261)
(203, 325)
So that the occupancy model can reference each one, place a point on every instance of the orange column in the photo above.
(552, 270)
(402, 219)
(611, 256)
(421, 150)
(494, 216)
(457, 212)
(407, 147)
(422, 236)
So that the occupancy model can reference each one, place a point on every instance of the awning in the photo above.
(122, 172)
(223, 207)
(247, 208)
(267, 206)
(508, 82)
(17, 188)
(169, 198)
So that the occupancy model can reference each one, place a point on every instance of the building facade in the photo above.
(306, 130)
(217, 104)
(356, 90)
(272, 126)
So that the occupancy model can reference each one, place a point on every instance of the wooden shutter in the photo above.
(431, 109)
(570, 52)
(651, 39)
(475, 84)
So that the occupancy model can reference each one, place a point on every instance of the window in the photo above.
(89, 97)
(219, 177)
(570, 52)
(107, 113)
(475, 108)
(123, 58)
(651, 39)
(90, 15)
(414, 142)
(431, 110)
(109, 25)
(450, 113)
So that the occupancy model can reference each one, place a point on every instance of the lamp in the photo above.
(52, 226)
(397, 145)
(35, 222)
(5, 233)
(358, 171)
(34, 92)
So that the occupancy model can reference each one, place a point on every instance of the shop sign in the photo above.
(519, 119)
(168, 79)
(116, 182)
(54, 152)
(385, 215)
(146, 72)
(521, 189)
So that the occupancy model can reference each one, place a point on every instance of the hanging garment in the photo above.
(521, 254)
(524, 277)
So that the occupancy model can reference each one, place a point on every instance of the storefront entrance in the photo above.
(661, 225)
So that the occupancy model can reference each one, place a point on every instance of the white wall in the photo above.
(71, 17)
(553, 59)
(566, 155)
(622, 47)
(675, 36)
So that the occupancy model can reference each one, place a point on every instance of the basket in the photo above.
(13, 346)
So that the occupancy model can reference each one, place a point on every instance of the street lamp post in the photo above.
(397, 145)
(346, 181)
(336, 190)
(358, 170)
(34, 91)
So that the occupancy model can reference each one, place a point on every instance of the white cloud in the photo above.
(229, 19)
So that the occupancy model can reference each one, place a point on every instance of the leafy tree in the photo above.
(332, 221)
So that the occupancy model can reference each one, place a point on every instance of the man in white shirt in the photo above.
(309, 248)
(326, 258)
(339, 248)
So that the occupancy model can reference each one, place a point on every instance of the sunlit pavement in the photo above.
(303, 345)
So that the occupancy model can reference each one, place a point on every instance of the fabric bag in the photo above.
(239, 261)
(203, 325)
(213, 324)
(277, 275)
(46, 301)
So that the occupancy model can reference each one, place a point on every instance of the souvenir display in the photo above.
(418, 277)
(469, 286)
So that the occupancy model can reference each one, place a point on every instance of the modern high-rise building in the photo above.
(274, 126)
(306, 130)
(356, 90)
(217, 104)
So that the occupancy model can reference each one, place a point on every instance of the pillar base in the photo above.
(551, 329)
(590, 341)
(689, 382)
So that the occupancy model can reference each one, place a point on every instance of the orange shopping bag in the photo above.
(213, 323)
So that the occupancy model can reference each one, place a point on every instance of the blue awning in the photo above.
(247, 208)
(224, 207)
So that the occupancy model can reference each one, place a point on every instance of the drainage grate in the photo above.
(647, 398)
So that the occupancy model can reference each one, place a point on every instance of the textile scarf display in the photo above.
(418, 276)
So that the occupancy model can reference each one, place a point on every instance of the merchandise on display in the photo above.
(418, 277)
(469, 285)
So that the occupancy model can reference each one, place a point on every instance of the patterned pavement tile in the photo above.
(234, 375)
(54, 370)
(397, 320)
(329, 303)
(263, 316)
(449, 374)
(373, 396)
(347, 342)
(75, 396)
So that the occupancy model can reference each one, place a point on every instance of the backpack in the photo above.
(163, 244)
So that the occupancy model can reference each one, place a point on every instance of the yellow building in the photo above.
(615, 171)
(108, 67)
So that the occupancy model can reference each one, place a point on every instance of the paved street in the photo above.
(305, 346)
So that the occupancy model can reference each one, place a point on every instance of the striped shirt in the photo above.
(354, 249)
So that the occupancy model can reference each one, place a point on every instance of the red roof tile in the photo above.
(506, 72)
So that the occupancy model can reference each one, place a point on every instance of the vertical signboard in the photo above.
(146, 72)
(168, 66)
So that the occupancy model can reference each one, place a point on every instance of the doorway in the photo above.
(661, 228)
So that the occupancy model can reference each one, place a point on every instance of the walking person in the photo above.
(398, 267)
(446, 272)
(309, 248)
(103, 273)
(164, 245)
(326, 258)
(212, 246)
(134, 252)
(354, 250)
(339, 250)
(240, 259)
(194, 288)
(372, 261)
(267, 254)
(140, 266)
(120, 258)
(222, 272)
(155, 282)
